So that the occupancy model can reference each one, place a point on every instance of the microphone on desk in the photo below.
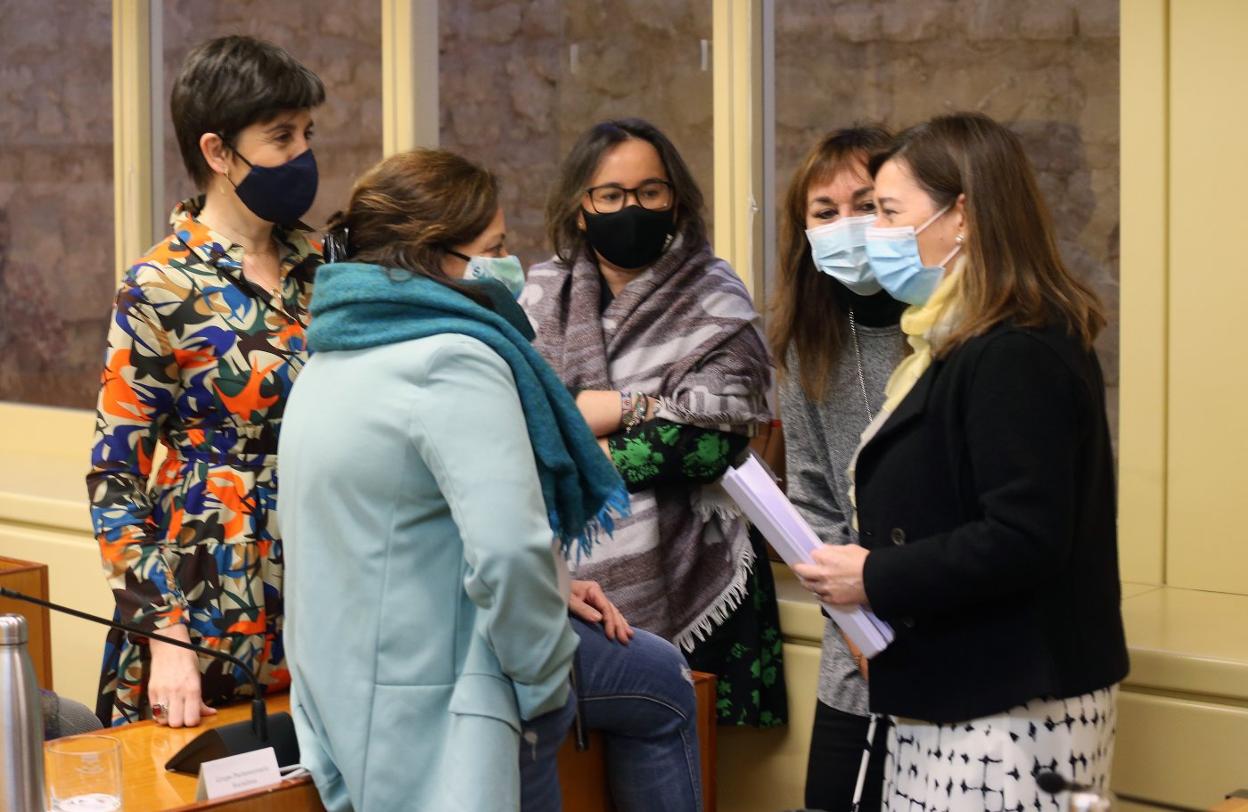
(1083, 799)
(264, 730)
(1053, 783)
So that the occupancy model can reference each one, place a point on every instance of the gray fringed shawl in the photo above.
(685, 331)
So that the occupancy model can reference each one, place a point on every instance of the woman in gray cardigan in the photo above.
(836, 337)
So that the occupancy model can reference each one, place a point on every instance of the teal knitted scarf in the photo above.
(356, 306)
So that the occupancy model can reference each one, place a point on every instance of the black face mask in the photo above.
(630, 238)
(280, 194)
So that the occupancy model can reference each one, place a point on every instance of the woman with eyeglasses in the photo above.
(660, 343)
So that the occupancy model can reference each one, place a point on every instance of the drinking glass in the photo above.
(84, 774)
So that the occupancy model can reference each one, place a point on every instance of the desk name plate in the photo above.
(234, 774)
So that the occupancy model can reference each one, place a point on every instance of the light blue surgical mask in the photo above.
(893, 254)
(507, 270)
(840, 250)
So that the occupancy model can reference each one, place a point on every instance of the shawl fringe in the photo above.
(582, 544)
(722, 608)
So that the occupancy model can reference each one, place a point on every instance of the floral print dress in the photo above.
(201, 361)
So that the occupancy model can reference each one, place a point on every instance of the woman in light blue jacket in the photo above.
(435, 473)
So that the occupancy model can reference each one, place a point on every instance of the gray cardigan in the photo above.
(819, 440)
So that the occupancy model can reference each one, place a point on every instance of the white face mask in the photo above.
(894, 257)
(840, 250)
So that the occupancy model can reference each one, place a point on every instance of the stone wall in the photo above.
(56, 199)
(521, 80)
(1048, 69)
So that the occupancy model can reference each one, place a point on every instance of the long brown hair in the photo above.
(804, 314)
(1013, 271)
(563, 207)
(408, 210)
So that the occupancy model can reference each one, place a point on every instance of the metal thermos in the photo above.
(21, 722)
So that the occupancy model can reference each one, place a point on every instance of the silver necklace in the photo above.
(862, 379)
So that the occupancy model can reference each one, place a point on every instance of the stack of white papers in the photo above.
(754, 490)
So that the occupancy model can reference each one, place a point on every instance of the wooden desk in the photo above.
(148, 787)
(31, 579)
(146, 746)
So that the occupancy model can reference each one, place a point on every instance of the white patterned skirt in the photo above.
(989, 764)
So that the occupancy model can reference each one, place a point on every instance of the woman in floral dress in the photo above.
(205, 341)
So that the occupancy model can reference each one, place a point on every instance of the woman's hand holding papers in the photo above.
(836, 574)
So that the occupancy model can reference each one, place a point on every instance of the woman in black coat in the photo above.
(984, 489)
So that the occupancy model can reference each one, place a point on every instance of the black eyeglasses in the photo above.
(654, 195)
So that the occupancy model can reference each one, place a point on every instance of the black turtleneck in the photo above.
(876, 310)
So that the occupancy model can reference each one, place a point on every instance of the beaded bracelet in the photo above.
(633, 408)
(641, 405)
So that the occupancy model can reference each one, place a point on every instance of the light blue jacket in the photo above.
(424, 615)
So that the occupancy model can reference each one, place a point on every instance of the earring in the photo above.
(959, 239)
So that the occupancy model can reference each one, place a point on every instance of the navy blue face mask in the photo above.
(280, 194)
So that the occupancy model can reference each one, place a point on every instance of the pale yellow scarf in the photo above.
(925, 327)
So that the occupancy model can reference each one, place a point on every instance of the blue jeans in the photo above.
(641, 697)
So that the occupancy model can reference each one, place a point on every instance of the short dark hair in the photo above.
(229, 83)
(564, 204)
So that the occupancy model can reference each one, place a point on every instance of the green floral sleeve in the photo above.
(659, 452)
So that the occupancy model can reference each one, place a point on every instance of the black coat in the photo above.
(987, 501)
